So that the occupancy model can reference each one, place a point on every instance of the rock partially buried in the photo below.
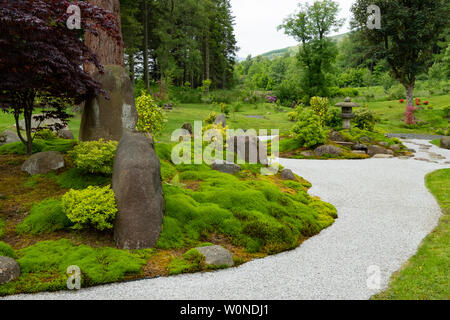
(221, 119)
(328, 149)
(287, 174)
(216, 256)
(138, 190)
(43, 162)
(106, 119)
(445, 142)
(8, 136)
(9, 270)
(373, 150)
(360, 147)
(66, 134)
(225, 167)
(382, 156)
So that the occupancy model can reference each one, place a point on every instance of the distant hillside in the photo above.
(293, 50)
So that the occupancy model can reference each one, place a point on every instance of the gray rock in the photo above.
(43, 162)
(411, 150)
(328, 149)
(359, 152)
(9, 270)
(307, 154)
(287, 174)
(216, 255)
(8, 136)
(445, 142)
(390, 152)
(225, 167)
(222, 119)
(41, 124)
(360, 147)
(188, 127)
(382, 156)
(384, 144)
(336, 136)
(138, 190)
(106, 119)
(249, 148)
(365, 139)
(396, 147)
(373, 150)
(66, 134)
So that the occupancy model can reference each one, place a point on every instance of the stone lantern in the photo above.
(347, 112)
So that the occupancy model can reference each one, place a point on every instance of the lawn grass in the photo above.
(426, 275)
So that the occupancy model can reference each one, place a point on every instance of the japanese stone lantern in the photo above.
(347, 112)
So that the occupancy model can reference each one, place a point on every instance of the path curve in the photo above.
(384, 209)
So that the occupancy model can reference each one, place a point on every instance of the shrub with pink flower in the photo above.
(402, 100)
(272, 99)
(410, 119)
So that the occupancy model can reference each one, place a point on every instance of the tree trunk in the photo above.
(107, 49)
(409, 114)
(131, 66)
(409, 94)
(207, 75)
(146, 71)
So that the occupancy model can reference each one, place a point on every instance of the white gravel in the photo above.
(384, 209)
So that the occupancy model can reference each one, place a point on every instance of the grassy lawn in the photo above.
(426, 275)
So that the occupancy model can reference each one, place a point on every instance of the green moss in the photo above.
(45, 217)
(78, 179)
(44, 266)
(168, 171)
(192, 261)
(163, 151)
(60, 145)
(6, 250)
(2, 227)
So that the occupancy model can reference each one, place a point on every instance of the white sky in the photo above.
(257, 22)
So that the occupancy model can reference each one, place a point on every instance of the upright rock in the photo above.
(138, 190)
(445, 142)
(221, 119)
(107, 119)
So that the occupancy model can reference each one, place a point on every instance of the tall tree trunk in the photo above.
(207, 58)
(131, 66)
(409, 94)
(146, 70)
(107, 49)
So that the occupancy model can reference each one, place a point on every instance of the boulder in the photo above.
(221, 118)
(365, 139)
(307, 154)
(445, 142)
(66, 134)
(187, 126)
(361, 152)
(328, 149)
(9, 270)
(106, 119)
(336, 136)
(8, 136)
(360, 147)
(216, 256)
(396, 147)
(225, 167)
(42, 124)
(382, 156)
(373, 150)
(43, 162)
(249, 148)
(384, 144)
(138, 190)
(287, 174)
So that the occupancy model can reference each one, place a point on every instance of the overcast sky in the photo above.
(257, 22)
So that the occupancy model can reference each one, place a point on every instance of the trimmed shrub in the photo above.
(308, 131)
(95, 156)
(45, 217)
(7, 251)
(319, 106)
(365, 119)
(91, 207)
(211, 118)
(333, 118)
(151, 117)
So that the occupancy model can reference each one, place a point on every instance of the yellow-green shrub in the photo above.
(94, 206)
(151, 117)
(211, 118)
(308, 131)
(95, 156)
(319, 106)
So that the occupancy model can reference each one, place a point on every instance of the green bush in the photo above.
(333, 118)
(319, 106)
(211, 118)
(45, 134)
(6, 250)
(151, 117)
(397, 92)
(168, 171)
(45, 217)
(39, 145)
(365, 119)
(95, 156)
(91, 207)
(308, 131)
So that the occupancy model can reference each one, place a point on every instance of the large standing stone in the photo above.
(43, 162)
(221, 119)
(373, 150)
(445, 142)
(107, 119)
(138, 190)
(328, 149)
(249, 148)
(9, 270)
(216, 256)
(8, 136)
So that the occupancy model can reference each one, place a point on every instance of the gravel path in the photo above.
(385, 211)
(413, 136)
